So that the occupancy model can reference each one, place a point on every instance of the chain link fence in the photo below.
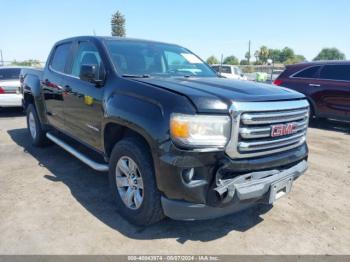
(262, 73)
(41, 64)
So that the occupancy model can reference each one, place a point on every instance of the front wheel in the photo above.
(36, 132)
(132, 181)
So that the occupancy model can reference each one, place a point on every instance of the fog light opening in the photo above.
(222, 196)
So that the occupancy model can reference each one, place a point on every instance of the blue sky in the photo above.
(29, 28)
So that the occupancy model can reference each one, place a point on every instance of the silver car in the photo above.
(10, 95)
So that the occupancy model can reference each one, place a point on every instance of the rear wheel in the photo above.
(36, 132)
(132, 181)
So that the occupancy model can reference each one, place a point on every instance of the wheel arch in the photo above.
(313, 108)
(113, 132)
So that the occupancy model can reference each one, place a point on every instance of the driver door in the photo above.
(83, 100)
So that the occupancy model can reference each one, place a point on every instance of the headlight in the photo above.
(200, 130)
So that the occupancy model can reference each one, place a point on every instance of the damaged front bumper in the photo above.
(238, 193)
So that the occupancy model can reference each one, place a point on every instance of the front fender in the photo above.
(139, 113)
(148, 114)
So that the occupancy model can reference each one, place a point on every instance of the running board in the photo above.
(77, 154)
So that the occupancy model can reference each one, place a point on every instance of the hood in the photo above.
(217, 94)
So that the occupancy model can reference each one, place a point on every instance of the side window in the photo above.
(87, 54)
(336, 72)
(216, 68)
(224, 69)
(60, 57)
(308, 72)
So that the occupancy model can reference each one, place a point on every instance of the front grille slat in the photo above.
(252, 127)
(273, 117)
(259, 132)
(262, 145)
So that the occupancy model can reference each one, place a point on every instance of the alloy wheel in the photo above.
(129, 182)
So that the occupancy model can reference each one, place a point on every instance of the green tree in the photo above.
(256, 55)
(231, 60)
(30, 62)
(244, 62)
(296, 59)
(275, 54)
(212, 60)
(286, 54)
(330, 54)
(263, 54)
(118, 24)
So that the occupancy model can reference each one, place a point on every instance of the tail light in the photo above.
(277, 82)
(2, 90)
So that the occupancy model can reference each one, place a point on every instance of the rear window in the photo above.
(309, 72)
(60, 57)
(224, 69)
(9, 73)
(336, 72)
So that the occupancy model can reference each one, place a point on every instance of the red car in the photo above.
(326, 84)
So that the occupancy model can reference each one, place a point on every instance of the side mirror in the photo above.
(88, 73)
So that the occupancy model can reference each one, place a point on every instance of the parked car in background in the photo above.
(229, 71)
(10, 95)
(176, 139)
(326, 85)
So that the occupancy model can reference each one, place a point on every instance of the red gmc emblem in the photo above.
(283, 129)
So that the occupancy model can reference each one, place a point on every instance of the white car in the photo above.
(10, 95)
(229, 71)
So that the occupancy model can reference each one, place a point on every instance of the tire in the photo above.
(312, 116)
(149, 210)
(37, 134)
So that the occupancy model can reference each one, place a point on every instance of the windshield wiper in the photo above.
(136, 76)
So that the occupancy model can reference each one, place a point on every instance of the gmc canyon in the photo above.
(176, 139)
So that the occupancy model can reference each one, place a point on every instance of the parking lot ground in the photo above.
(50, 203)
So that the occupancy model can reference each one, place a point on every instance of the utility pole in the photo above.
(2, 59)
(221, 61)
(249, 52)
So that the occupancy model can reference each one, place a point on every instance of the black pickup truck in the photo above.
(176, 139)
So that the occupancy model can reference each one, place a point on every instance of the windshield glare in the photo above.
(155, 59)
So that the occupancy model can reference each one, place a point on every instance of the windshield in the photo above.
(155, 59)
(238, 71)
(9, 73)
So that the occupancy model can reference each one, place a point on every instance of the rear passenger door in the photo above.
(334, 91)
(304, 81)
(53, 84)
(83, 100)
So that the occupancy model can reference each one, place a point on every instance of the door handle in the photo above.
(317, 85)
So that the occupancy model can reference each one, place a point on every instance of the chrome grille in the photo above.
(252, 127)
